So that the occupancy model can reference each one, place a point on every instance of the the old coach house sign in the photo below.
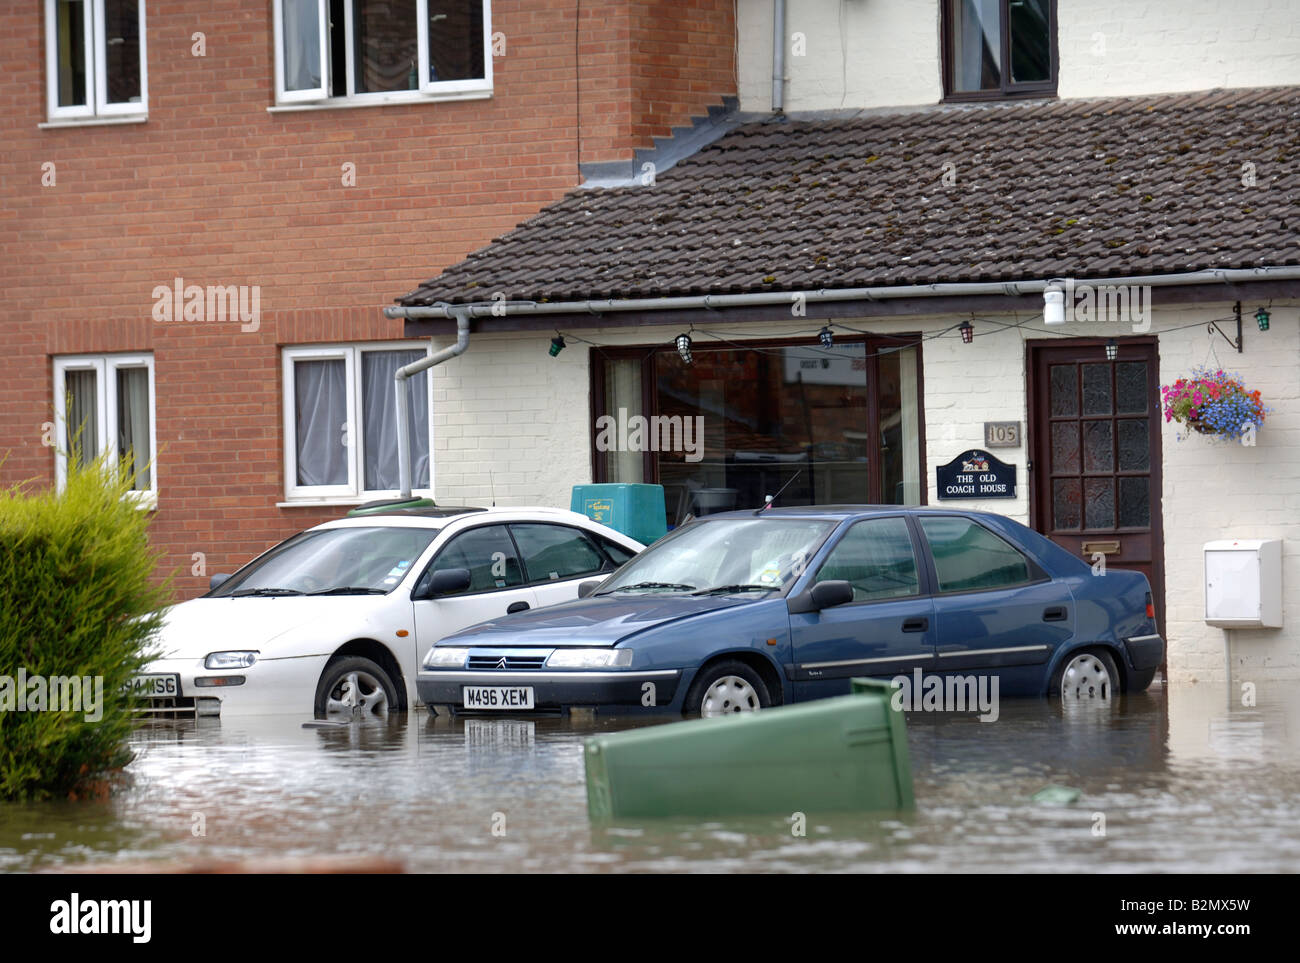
(976, 474)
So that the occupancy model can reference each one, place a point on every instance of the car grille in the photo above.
(511, 662)
(172, 706)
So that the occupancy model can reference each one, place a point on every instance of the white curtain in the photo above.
(302, 45)
(82, 417)
(321, 409)
(379, 412)
(623, 390)
(909, 426)
(133, 422)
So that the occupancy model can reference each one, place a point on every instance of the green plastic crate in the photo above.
(635, 510)
(829, 755)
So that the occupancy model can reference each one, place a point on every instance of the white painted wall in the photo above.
(508, 407)
(885, 53)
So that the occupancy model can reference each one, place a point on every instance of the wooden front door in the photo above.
(1094, 449)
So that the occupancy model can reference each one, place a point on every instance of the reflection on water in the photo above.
(1176, 779)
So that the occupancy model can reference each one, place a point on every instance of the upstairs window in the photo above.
(95, 58)
(996, 49)
(380, 51)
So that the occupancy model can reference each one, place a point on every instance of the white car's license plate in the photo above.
(156, 685)
(497, 696)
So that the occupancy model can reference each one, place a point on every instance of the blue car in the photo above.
(738, 611)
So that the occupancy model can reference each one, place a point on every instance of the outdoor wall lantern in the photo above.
(827, 338)
(557, 344)
(684, 348)
(1053, 302)
(1112, 349)
(967, 332)
(1261, 318)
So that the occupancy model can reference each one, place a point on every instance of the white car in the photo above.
(336, 618)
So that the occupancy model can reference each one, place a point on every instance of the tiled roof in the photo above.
(1147, 185)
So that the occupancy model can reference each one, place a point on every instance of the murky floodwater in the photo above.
(1184, 781)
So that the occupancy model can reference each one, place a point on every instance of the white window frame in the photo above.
(105, 368)
(353, 492)
(96, 68)
(427, 90)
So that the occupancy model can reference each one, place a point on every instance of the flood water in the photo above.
(1183, 780)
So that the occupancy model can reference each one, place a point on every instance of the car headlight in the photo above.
(229, 660)
(443, 657)
(589, 658)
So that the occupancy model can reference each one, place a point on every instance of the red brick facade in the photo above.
(217, 190)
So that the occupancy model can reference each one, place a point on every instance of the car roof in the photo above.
(840, 512)
(439, 517)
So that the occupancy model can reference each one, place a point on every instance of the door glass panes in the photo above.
(1131, 387)
(321, 415)
(70, 44)
(1096, 389)
(488, 553)
(387, 47)
(1066, 504)
(976, 38)
(82, 441)
(555, 552)
(302, 45)
(1065, 390)
(1134, 502)
(969, 556)
(1098, 503)
(1134, 445)
(1030, 41)
(1098, 453)
(455, 40)
(122, 56)
(876, 558)
(1065, 446)
(133, 435)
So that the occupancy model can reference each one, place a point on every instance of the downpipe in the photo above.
(400, 379)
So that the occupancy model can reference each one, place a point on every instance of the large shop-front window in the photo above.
(839, 424)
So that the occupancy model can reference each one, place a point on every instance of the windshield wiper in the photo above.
(244, 593)
(350, 590)
(730, 589)
(675, 586)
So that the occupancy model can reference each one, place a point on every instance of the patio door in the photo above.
(1094, 449)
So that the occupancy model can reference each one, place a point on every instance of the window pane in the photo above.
(976, 54)
(321, 414)
(1098, 452)
(967, 556)
(555, 552)
(379, 413)
(71, 44)
(1131, 387)
(1066, 504)
(455, 40)
(896, 398)
(386, 46)
(1134, 445)
(1134, 502)
(122, 56)
(623, 399)
(1065, 390)
(1096, 389)
(489, 555)
(616, 552)
(1065, 446)
(302, 45)
(82, 441)
(1030, 41)
(1098, 503)
(133, 441)
(876, 557)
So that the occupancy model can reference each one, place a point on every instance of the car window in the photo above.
(487, 552)
(876, 558)
(556, 552)
(616, 552)
(968, 556)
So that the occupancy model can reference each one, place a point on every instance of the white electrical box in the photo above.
(1243, 583)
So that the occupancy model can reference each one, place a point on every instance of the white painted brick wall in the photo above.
(507, 408)
(873, 54)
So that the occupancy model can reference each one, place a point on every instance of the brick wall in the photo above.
(217, 190)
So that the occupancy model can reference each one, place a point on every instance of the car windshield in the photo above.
(723, 555)
(332, 561)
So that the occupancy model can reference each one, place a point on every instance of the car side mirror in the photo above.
(823, 595)
(589, 586)
(216, 581)
(448, 581)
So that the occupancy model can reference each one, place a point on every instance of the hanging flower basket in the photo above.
(1214, 402)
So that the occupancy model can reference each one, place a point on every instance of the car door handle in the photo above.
(514, 607)
(916, 625)
(1056, 613)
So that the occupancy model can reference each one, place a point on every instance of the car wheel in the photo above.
(725, 688)
(1090, 674)
(354, 686)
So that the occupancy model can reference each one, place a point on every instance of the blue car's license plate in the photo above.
(497, 696)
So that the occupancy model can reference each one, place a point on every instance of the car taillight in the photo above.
(1151, 609)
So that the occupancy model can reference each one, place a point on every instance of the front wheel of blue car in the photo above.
(727, 687)
(1086, 675)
